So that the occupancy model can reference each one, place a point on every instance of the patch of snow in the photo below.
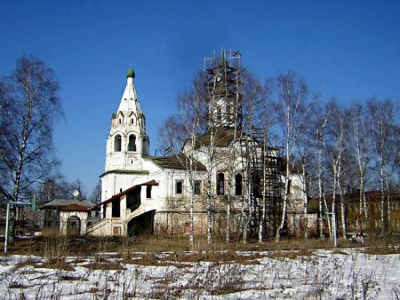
(349, 274)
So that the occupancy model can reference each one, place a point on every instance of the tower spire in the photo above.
(128, 140)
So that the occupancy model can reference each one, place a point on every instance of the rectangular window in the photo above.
(220, 184)
(148, 191)
(197, 187)
(178, 187)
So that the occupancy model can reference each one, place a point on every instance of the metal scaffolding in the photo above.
(260, 161)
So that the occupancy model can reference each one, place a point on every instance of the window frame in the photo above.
(197, 187)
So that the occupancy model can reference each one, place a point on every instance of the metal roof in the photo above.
(59, 203)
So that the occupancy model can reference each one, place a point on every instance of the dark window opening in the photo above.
(220, 184)
(116, 213)
(238, 185)
(148, 191)
(133, 199)
(132, 143)
(256, 186)
(117, 143)
(178, 187)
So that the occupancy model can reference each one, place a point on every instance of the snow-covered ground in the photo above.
(348, 274)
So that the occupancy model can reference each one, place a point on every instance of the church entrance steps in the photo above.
(96, 226)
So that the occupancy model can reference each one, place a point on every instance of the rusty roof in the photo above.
(75, 207)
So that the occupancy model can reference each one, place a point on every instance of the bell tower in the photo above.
(127, 141)
(223, 85)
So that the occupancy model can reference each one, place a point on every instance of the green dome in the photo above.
(130, 73)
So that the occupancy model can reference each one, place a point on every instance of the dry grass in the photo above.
(56, 248)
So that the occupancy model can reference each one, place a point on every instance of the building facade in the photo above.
(223, 172)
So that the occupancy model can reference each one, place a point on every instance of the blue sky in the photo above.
(344, 49)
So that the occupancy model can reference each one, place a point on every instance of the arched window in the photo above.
(220, 184)
(117, 143)
(132, 143)
(238, 184)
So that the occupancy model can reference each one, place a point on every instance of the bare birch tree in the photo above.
(382, 131)
(29, 108)
(185, 128)
(320, 117)
(307, 160)
(292, 111)
(264, 120)
(360, 150)
(335, 149)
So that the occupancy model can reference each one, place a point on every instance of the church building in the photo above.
(225, 173)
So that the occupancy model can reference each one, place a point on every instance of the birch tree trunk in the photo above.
(342, 211)
(305, 202)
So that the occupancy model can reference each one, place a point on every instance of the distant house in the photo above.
(68, 214)
(366, 216)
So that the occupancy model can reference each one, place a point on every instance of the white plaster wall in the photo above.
(64, 215)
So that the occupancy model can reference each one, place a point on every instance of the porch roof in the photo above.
(117, 196)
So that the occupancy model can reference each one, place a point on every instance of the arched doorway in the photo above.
(73, 225)
(143, 224)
